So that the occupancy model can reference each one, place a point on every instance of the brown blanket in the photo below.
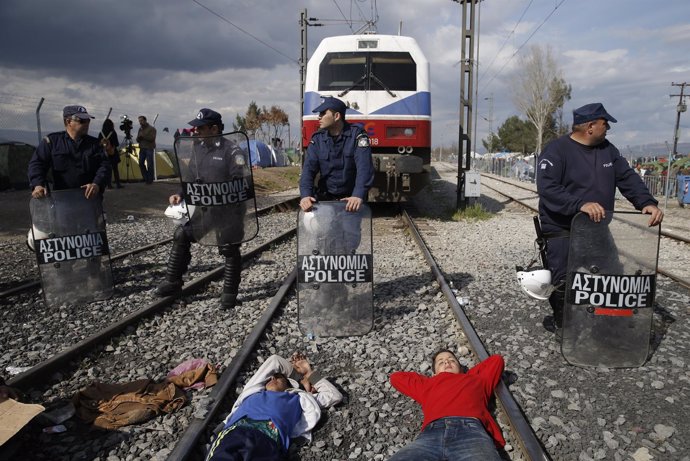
(109, 406)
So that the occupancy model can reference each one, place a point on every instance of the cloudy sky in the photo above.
(171, 57)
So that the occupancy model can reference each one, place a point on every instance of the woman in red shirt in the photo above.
(457, 424)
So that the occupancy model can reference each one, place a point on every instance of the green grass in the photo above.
(473, 213)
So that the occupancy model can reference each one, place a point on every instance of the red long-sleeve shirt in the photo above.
(450, 394)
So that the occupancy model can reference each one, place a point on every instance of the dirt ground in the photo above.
(136, 199)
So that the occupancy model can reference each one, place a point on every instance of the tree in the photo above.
(251, 122)
(261, 123)
(517, 135)
(540, 91)
(492, 143)
(274, 120)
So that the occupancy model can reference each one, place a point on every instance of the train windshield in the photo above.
(364, 71)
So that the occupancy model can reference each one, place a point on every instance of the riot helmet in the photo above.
(535, 281)
(179, 213)
(35, 233)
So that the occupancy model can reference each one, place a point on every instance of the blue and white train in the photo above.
(384, 80)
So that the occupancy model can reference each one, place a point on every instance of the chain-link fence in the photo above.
(523, 168)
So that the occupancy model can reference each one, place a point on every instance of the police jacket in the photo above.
(72, 164)
(570, 174)
(344, 162)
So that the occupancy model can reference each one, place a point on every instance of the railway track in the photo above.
(412, 319)
(206, 412)
(529, 444)
(33, 284)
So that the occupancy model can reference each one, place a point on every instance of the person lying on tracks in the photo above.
(272, 409)
(457, 424)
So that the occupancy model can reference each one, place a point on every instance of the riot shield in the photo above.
(71, 247)
(610, 288)
(335, 271)
(218, 188)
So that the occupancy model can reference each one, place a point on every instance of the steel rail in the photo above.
(530, 444)
(36, 373)
(283, 205)
(190, 438)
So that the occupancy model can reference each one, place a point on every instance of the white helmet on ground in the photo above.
(536, 282)
(178, 213)
(38, 234)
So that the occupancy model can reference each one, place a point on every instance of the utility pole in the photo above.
(466, 100)
(303, 22)
(680, 108)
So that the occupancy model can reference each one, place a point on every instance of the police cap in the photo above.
(589, 112)
(206, 117)
(335, 104)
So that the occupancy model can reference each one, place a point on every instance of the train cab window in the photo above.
(394, 71)
(342, 71)
(368, 71)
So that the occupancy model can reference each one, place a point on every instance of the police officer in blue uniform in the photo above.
(217, 159)
(340, 152)
(580, 172)
(76, 159)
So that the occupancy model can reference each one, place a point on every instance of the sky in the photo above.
(168, 58)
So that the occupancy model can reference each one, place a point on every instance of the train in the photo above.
(384, 81)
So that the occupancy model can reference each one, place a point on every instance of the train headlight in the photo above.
(401, 132)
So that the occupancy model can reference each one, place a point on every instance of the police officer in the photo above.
(580, 172)
(340, 152)
(75, 158)
(217, 159)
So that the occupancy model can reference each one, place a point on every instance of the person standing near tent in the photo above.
(146, 137)
(108, 139)
(76, 159)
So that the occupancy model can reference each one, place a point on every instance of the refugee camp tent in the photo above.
(166, 166)
(14, 164)
(280, 157)
(260, 153)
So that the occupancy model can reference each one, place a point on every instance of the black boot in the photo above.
(177, 265)
(232, 273)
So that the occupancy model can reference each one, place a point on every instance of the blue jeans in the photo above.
(146, 155)
(451, 439)
(244, 444)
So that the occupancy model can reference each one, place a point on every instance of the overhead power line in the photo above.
(223, 18)
(505, 41)
(548, 16)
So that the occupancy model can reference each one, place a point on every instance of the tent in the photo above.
(14, 164)
(166, 166)
(261, 154)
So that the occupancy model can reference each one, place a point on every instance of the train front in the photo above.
(384, 80)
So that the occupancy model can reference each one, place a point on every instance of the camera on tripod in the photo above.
(126, 126)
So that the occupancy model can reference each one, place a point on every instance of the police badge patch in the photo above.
(363, 141)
